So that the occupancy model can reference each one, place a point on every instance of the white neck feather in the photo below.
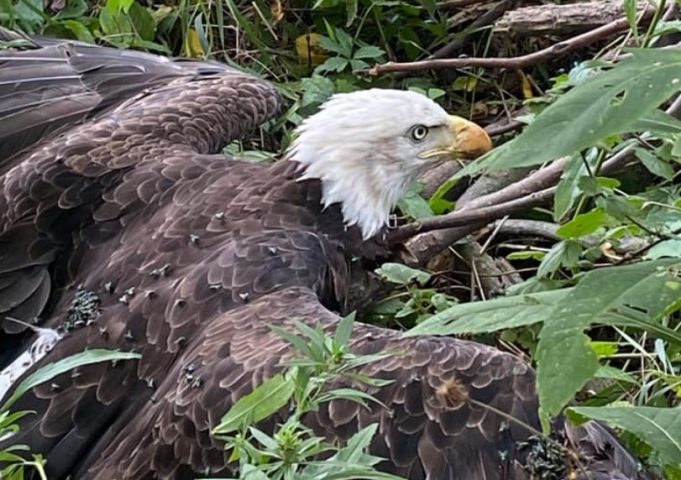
(366, 188)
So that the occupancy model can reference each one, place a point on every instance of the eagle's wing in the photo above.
(49, 85)
(93, 173)
(442, 419)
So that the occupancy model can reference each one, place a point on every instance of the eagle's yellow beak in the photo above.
(471, 140)
(464, 140)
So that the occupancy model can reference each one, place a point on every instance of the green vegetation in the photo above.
(292, 451)
(597, 310)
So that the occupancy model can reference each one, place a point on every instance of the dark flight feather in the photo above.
(123, 226)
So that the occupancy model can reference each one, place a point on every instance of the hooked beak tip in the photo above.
(472, 141)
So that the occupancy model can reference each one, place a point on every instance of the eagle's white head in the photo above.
(367, 147)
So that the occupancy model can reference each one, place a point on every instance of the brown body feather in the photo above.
(124, 227)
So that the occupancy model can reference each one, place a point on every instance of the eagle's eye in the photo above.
(418, 132)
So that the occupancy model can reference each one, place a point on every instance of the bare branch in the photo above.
(520, 62)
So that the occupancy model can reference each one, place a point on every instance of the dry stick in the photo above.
(520, 62)
(453, 4)
(471, 216)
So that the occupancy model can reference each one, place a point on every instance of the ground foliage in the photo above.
(596, 303)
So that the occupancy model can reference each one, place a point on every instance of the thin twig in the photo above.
(519, 62)
(454, 4)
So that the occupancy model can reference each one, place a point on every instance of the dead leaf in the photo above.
(309, 51)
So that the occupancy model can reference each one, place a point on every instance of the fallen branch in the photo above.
(470, 216)
(552, 19)
(520, 62)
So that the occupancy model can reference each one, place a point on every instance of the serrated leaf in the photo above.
(402, 274)
(333, 64)
(565, 359)
(606, 104)
(659, 427)
(368, 52)
(52, 370)
(262, 402)
(491, 315)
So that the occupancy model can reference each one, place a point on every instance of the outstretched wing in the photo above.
(103, 170)
(448, 409)
(49, 85)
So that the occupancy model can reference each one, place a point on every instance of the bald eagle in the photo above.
(122, 226)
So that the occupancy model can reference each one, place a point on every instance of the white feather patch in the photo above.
(47, 339)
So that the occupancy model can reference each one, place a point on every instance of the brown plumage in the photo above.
(125, 228)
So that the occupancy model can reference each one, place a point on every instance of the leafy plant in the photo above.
(292, 451)
(16, 463)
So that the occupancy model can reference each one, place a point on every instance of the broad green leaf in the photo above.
(565, 359)
(144, 24)
(606, 104)
(657, 121)
(659, 427)
(52, 370)
(79, 30)
(401, 274)
(491, 315)
(265, 400)
(584, 224)
(668, 248)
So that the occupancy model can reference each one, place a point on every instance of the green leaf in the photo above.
(142, 21)
(401, 274)
(333, 64)
(584, 224)
(351, 11)
(668, 248)
(368, 52)
(264, 401)
(80, 31)
(568, 190)
(52, 370)
(630, 10)
(415, 206)
(654, 164)
(606, 104)
(344, 329)
(565, 359)
(491, 315)
(563, 254)
(658, 122)
(613, 373)
(659, 427)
